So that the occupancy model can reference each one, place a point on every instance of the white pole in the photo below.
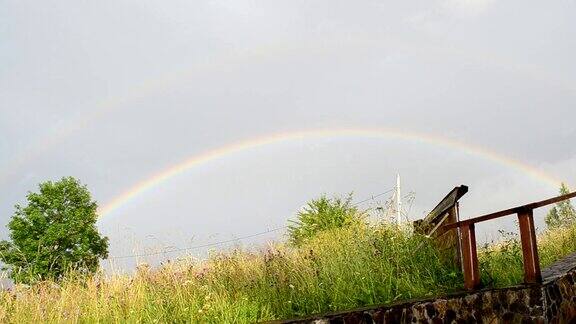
(398, 201)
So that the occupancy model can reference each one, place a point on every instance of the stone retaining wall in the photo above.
(553, 301)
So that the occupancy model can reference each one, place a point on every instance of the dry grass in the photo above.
(339, 269)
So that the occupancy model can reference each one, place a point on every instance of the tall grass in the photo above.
(501, 263)
(341, 268)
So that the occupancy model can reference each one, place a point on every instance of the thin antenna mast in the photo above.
(398, 201)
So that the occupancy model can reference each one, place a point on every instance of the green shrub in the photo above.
(322, 214)
(563, 214)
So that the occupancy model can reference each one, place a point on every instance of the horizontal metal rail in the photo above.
(525, 216)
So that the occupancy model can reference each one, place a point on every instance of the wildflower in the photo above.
(291, 286)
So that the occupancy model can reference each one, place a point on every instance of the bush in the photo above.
(563, 214)
(322, 214)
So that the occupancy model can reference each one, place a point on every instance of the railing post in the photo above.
(456, 211)
(469, 257)
(529, 248)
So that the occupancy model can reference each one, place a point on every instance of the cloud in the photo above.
(467, 8)
(443, 11)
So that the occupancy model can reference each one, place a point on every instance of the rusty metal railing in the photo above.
(525, 215)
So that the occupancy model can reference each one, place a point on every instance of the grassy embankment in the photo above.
(339, 269)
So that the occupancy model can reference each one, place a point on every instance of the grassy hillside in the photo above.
(341, 268)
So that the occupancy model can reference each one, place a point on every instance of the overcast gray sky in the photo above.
(114, 92)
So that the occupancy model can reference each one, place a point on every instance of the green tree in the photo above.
(322, 214)
(54, 233)
(563, 214)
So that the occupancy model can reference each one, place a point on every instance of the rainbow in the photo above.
(386, 133)
(222, 63)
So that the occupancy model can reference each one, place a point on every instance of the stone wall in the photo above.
(553, 301)
(559, 290)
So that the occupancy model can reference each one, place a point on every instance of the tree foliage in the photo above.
(563, 214)
(322, 214)
(54, 233)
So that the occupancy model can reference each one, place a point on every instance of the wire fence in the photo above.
(207, 245)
